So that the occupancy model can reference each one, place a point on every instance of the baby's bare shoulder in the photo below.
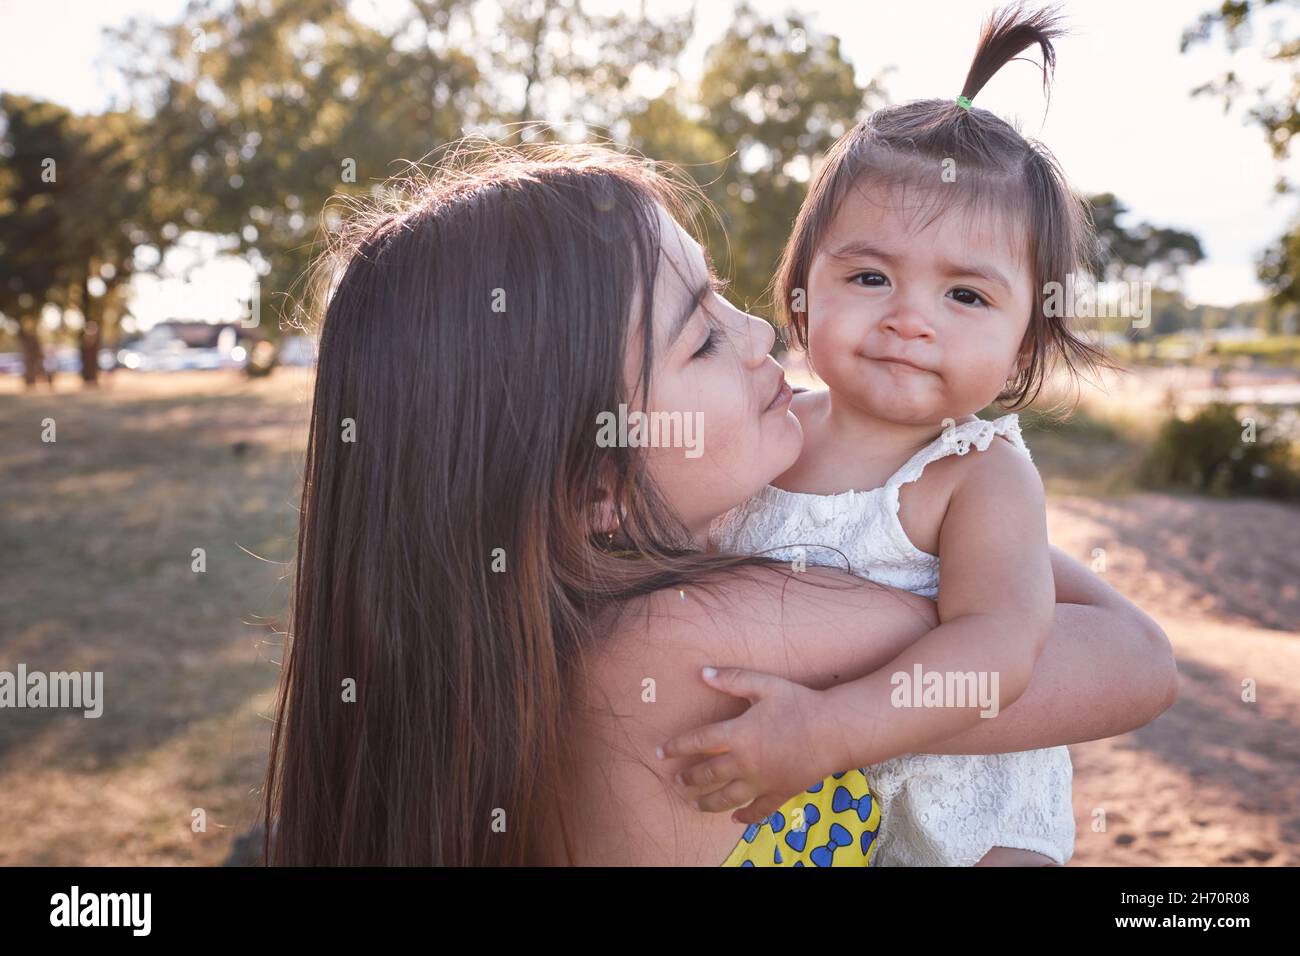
(1002, 469)
(999, 470)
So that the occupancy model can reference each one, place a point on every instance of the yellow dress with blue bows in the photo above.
(832, 824)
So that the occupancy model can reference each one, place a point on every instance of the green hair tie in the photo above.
(964, 102)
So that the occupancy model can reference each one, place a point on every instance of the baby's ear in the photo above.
(1023, 358)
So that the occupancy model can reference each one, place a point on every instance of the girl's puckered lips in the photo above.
(782, 397)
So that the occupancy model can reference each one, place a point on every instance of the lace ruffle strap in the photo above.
(958, 440)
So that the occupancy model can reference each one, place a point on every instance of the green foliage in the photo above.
(75, 202)
(1279, 350)
(1277, 116)
(1078, 425)
(264, 113)
(774, 96)
(249, 119)
(1142, 248)
(1208, 454)
(1279, 267)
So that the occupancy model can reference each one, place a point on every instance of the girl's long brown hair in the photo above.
(447, 574)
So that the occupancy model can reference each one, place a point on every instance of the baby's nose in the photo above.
(909, 323)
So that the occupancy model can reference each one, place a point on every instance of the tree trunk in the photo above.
(90, 353)
(534, 69)
(89, 335)
(33, 355)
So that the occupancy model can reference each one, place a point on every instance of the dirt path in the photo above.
(1215, 780)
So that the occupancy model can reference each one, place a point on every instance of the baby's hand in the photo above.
(768, 754)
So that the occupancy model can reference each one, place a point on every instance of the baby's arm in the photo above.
(996, 610)
(1108, 669)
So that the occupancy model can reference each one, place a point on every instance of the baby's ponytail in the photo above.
(1007, 32)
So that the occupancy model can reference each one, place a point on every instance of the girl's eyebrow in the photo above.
(861, 249)
(981, 270)
(684, 319)
(701, 293)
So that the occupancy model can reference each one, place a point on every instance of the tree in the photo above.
(263, 112)
(29, 247)
(76, 204)
(106, 210)
(1142, 248)
(1277, 115)
(259, 114)
(577, 64)
(773, 97)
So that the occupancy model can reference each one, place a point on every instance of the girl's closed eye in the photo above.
(710, 345)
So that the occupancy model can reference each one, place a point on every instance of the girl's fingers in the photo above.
(711, 774)
(702, 741)
(739, 682)
(735, 794)
(764, 806)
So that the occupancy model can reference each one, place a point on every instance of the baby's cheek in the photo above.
(978, 381)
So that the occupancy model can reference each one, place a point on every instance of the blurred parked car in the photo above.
(298, 350)
(184, 346)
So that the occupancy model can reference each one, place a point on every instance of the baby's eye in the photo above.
(968, 297)
(869, 279)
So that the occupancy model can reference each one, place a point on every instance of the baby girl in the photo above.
(915, 281)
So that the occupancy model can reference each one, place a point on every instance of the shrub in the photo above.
(1208, 453)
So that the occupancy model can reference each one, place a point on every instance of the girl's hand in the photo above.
(762, 758)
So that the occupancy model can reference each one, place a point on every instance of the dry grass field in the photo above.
(98, 535)
(96, 548)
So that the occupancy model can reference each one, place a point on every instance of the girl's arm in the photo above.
(996, 610)
(1107, 669)
(997, 605)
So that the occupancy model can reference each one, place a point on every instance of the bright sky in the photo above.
(1121, 120)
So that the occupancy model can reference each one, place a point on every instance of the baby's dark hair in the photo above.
(996, 169)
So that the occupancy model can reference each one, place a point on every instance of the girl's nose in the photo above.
(761, 339)
(908, 322)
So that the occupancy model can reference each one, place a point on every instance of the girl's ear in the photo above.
(604, 517)
(604, 514)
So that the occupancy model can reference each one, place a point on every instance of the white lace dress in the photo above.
(936, 809)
